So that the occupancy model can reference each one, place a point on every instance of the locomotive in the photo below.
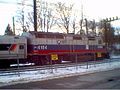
(43, 48)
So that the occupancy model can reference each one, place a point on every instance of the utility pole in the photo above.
(13, 25)
(23, 20)
(35, 15)
(86, 25)
(81, 22)
(105, 34)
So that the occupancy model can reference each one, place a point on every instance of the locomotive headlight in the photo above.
(59, 42)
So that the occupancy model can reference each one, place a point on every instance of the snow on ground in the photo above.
(115, 56)
(40, 75)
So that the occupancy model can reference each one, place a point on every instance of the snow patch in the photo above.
(39, 75)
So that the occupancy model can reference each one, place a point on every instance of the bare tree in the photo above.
(45, 19)
(65, 14)
(74, 25)
(81, 25)
(108, 34)
(92, 26)
(21, 19)
(51, 20)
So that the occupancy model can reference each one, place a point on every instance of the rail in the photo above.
(18, 71)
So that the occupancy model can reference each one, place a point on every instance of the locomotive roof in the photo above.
(57, 35)
(12, 39)
(46, 33)
(52, 34)
(8, 36)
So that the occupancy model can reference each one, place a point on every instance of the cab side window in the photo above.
(21, 47)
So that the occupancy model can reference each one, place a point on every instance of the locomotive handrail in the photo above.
(4, 56)
(9, 55)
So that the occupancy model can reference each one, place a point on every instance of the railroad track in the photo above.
(16, 70)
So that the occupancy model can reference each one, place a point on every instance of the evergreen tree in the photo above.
(8, 30)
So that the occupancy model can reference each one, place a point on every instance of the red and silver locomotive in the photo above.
(44, 48)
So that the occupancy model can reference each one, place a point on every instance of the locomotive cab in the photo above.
(11, 49)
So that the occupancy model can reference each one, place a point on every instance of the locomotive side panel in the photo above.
(65, 47)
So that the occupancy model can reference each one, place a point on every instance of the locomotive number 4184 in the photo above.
(40, 47)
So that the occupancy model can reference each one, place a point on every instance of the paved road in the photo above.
(102, 80)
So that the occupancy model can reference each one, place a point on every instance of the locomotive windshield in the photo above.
(4, 47)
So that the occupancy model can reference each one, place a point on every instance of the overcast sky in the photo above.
(92, 8)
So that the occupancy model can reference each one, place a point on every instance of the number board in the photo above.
(54, 57)
(99, 54)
